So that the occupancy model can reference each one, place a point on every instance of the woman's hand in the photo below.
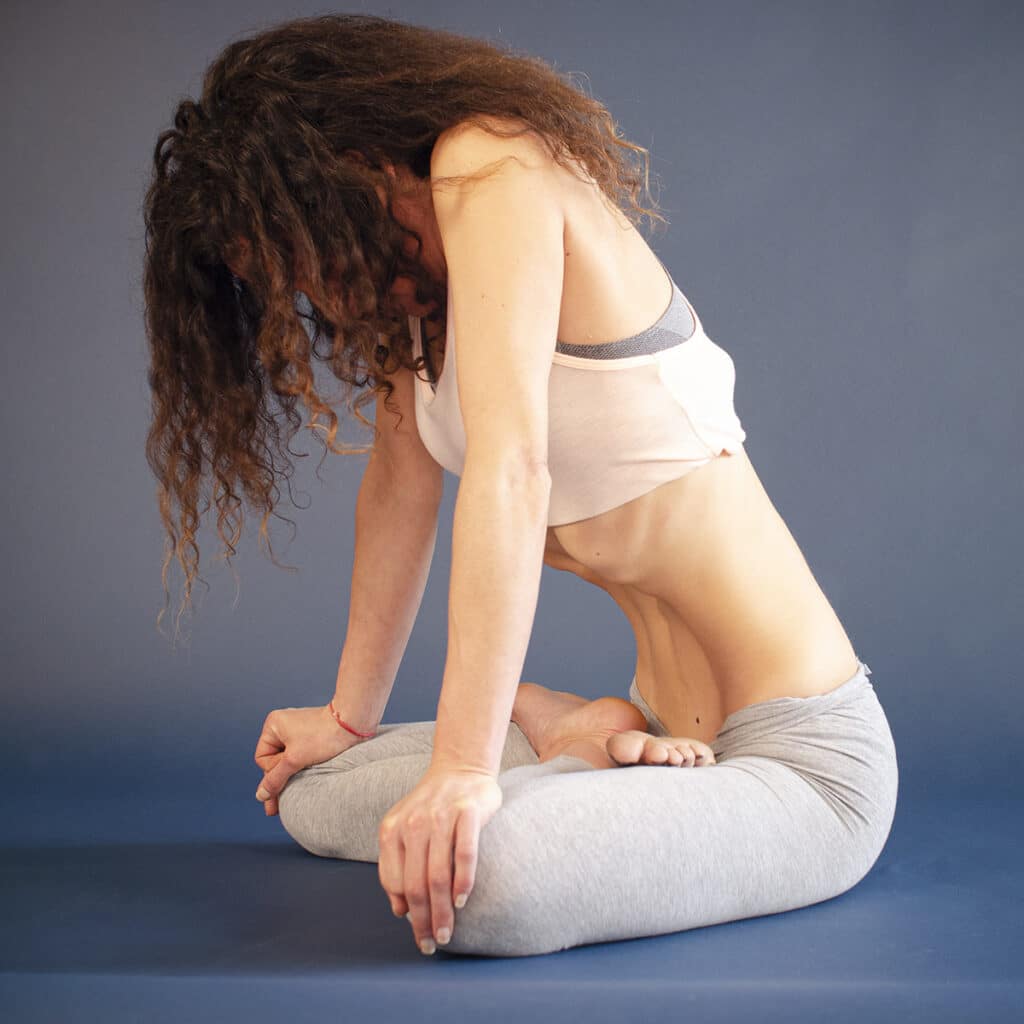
(293, 739)
(443, 816)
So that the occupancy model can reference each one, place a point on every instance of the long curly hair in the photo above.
(281, 164)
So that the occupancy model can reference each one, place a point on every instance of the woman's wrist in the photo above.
(359, 730)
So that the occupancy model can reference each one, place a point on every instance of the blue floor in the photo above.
(220, 930)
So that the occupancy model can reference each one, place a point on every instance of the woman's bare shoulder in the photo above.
(470, 142)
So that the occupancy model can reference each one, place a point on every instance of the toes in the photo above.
(703, 755)
(625, 747)
(635, 747)
(678, 753)
(656, 751)
(686, 753)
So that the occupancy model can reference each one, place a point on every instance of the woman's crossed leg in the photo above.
(579, 854)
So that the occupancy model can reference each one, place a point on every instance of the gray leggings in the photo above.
(796, 810)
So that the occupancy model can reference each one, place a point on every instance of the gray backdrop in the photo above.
(843, 182)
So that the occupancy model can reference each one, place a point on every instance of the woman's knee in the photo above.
(511, 910)
(880, 817)
(867, 821)
(320, 812)
(337, 813)
(297, 810)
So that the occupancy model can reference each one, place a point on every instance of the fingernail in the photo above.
(444, 936)
(460, 900)
(427, 946)
(261, 794)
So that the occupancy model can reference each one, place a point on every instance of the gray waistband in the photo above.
(749, 724)
(780, 712)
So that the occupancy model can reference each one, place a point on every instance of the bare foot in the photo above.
(558, 722)
(637, 747)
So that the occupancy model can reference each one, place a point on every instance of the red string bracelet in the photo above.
(344, 725)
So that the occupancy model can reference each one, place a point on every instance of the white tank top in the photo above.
(624, 416)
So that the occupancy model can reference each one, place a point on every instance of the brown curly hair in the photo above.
(281, 164)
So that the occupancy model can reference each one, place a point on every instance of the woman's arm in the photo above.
(396, 530)
(503, 245)
(396, 526)
(498, 538)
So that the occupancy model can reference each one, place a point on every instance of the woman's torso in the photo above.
(723, 605)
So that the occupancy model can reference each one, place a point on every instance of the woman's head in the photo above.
(304, 167)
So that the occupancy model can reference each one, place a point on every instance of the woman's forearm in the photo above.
(499, 530)
(396, 531)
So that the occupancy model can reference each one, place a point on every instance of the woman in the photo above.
(453, 210)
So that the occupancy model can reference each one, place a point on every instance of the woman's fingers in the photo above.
(437, 823)
(269, 754)
(270, 745)
(274, 781)
(415, 883)
(430, 884)
(391, 863)
(291, 740)
(465, 854)
(439, 875)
